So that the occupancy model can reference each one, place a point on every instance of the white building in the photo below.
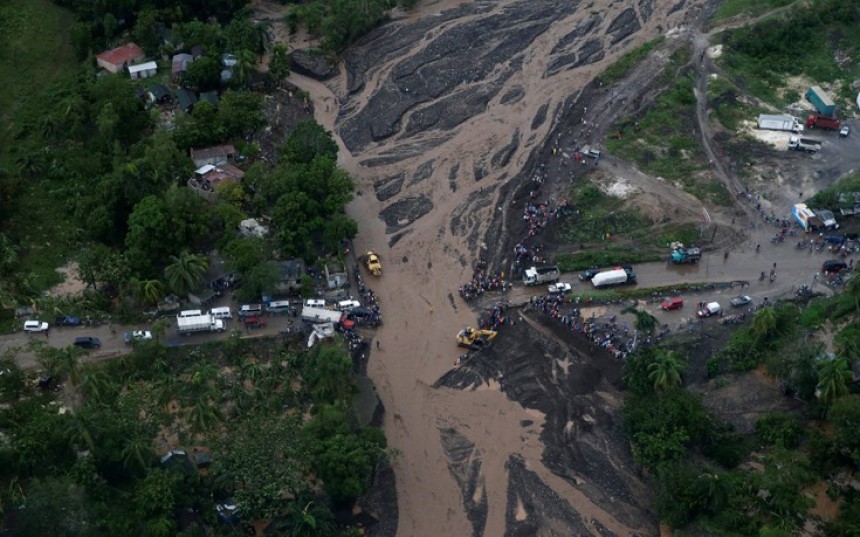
(143, 70)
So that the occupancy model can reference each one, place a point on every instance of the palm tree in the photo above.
(203, 415)
(67, 363)
(834, 375)
(137, 453)
(246, 64)
(665, 370)
(97, 385)
(185, 271)
(763, 325)
(8, 253)
(79, 431)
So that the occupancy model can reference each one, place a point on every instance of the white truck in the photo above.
(804, 144)
(780, 123)
(613, 277)
(198, 323)
(320, 315)
(539, 275)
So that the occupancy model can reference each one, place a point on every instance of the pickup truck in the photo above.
(559, 288)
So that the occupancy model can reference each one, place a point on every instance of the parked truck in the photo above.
(539, 275)
(821, 101)
(779, 123)
(804, 144)
(198, 323)
(320, 315)
(681, 254)
(828, 219)
(818, 121)
(806, 217)
(613, 277)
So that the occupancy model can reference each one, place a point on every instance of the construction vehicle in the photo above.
(371, 261)
(474, 339)
(809, 145)
(681, 254)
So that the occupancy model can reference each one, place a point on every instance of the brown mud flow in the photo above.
(437, 114)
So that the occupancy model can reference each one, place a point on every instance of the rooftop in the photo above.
(215, 151)
(124, 54)
(142, 67)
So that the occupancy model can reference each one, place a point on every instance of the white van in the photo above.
(190, 313)
(347, 305)
(279, 306)
(315, 303)
(221, 313)
(250, 310)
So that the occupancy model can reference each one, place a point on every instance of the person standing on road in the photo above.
(377, 344)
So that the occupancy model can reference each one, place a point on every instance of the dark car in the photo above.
(833, 266)
(87, 342)
(588, 273)
(740, 300)
(67, 320)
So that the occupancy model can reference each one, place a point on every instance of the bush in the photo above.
(779, 428)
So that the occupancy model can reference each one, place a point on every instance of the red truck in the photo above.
(822, 122)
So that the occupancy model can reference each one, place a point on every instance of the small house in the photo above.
(252, 228)
(229, 60)
(214, 155)
(178, 461)
(143, 70)
(118, 59)
(180, 65)
(160, 94)
(291, 275)
(187, 99)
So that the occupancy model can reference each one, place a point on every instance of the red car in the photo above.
(255, 322)
(674, 303)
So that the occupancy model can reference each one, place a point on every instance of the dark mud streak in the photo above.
(465, 217)
(381, 502)
(464, 464)
(484, 52)
(677, 7)
(646, 9)
(403, 212)
(592, 453)
(397, 236)
(389, 187)
(584, 28)
(422, 173)
(540, 117)
(503, 155)
(547, 513)
(452, 176)
(624, 25)
(513, 95)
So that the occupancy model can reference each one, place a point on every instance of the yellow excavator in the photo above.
(474, 339)
(371, 261)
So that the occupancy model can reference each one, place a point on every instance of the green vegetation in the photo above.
(268, 426)
(694, 457)
(625, 63)
(340, 22)
(807, 40)
(607, 233)
(663, 142)
(752, 8)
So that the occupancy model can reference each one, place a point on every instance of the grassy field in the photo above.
(34, 50)
(817, 41)
(753, 8)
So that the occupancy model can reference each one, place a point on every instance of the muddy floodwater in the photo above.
(439, 114)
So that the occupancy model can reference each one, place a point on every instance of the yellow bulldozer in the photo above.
(474, 339)
(371, 261)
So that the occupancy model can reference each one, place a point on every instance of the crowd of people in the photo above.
(496, 317)
(484, 282)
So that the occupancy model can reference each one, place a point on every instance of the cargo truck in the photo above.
(779, 123)
(806, 217)
(804, 144)
(613, 277)
(818, 121)
(681, 254)
(198, 323)
(821, 101)
(539, 275)
(320, 315)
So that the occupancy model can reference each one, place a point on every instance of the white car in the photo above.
(35, 326)
(137, 335)
(559, 288)
(844, 131)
